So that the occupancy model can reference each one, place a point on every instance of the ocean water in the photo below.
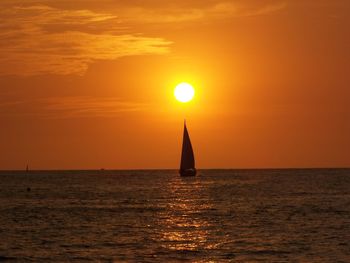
(157, 216)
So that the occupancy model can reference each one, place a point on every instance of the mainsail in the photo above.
(187, 156)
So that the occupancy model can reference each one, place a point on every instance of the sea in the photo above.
(288, 215)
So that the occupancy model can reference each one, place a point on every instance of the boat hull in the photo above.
(188, 172)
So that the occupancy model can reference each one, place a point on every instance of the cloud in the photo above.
(267, 9)
(32, 40)
(70, 107)
(37, 38)
(216, 10)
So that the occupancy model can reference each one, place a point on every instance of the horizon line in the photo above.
(173, 169)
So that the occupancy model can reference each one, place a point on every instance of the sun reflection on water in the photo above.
(184, 226)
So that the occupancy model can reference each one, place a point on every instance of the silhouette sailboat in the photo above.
(187, 166)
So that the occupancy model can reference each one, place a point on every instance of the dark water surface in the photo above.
(156, 216)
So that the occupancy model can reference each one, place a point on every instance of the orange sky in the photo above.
(89, 84)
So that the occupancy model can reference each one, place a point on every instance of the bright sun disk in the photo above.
(184, 92)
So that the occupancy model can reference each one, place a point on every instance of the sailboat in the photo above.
(187, 166)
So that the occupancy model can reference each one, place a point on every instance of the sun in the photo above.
(184, 92)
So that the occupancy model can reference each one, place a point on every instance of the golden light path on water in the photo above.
(183, 226)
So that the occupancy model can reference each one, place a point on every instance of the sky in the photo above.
(89, 84)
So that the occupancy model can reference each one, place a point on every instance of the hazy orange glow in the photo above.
(91, 85)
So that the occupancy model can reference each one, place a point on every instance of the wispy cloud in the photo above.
(90, 107)
(70, 107)
(217, 10)
(37, 38)
(30, 44)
